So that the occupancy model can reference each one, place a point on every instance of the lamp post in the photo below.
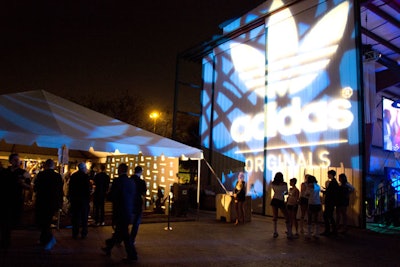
(154, 116)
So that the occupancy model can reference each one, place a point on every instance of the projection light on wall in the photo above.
(249, 64)
(270, 148)
(294, 64)
(296, 118)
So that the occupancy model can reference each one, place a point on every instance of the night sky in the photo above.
(105, 47)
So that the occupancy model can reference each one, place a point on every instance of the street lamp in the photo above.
(154, 116)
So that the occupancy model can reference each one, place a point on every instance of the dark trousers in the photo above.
(43, 221)
(329, 220)
(98, 203)
(122, 234)
(136, 221)
(79, 218)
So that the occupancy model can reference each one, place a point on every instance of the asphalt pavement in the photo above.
(199, 239)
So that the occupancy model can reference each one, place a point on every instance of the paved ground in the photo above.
(208, 242)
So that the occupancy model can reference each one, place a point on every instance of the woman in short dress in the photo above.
(280, 189)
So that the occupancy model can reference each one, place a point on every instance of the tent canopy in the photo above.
(44, 119)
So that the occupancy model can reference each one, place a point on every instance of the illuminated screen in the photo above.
(393, 183)
(285, 96)
(390, 125)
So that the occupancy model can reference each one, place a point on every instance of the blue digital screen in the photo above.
(390, 125)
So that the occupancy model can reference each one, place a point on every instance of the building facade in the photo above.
(283, 93)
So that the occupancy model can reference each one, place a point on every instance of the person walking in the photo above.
(123, 196)
(79, 197)
(330, 193)
(49, 198)
(11, 198)
(101, 182)
(239, 195)
(138, 207)
(280, 189)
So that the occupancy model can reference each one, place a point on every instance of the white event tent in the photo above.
(46, 120)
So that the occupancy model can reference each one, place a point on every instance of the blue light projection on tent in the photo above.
(41, 118)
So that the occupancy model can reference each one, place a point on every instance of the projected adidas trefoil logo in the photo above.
(292, 66)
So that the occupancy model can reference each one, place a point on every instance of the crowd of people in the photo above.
(127, 193)
(335, 196)
(79, 189)
(314, 201)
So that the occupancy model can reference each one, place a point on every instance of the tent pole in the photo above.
(198, 186)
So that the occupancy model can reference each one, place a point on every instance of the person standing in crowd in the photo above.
(303, 202)
(280, 189)
(343, 201)
(330, 193)
(49, 198)
(102, 183)
(239, 195)
(314, 206)
(66, 203)
(92, 173)
(79, 197)
(138, 207)
(293, 205)
(11, 198)
(123, 196)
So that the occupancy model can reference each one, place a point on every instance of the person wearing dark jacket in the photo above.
(123, 196)
(239, 195)
(138, 209)
(331, 193)
(101, 183)
(13, 182)
(49, 198)
(79, 197)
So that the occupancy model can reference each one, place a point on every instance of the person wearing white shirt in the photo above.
(280, 189)
(314, 206)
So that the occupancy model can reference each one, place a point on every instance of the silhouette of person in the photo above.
(79, 197)
(102, 183)
(159, 201)
(49, 198)
(293, 205)
(123, 196)
(331, 193)
(138, 208)
(11, 198)
(239, 195)
(303, 202)
(314, 206)
(280, 189)
(343, 201)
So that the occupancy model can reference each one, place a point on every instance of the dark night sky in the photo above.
(104, 47)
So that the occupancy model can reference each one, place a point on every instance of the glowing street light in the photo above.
(154, 116)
